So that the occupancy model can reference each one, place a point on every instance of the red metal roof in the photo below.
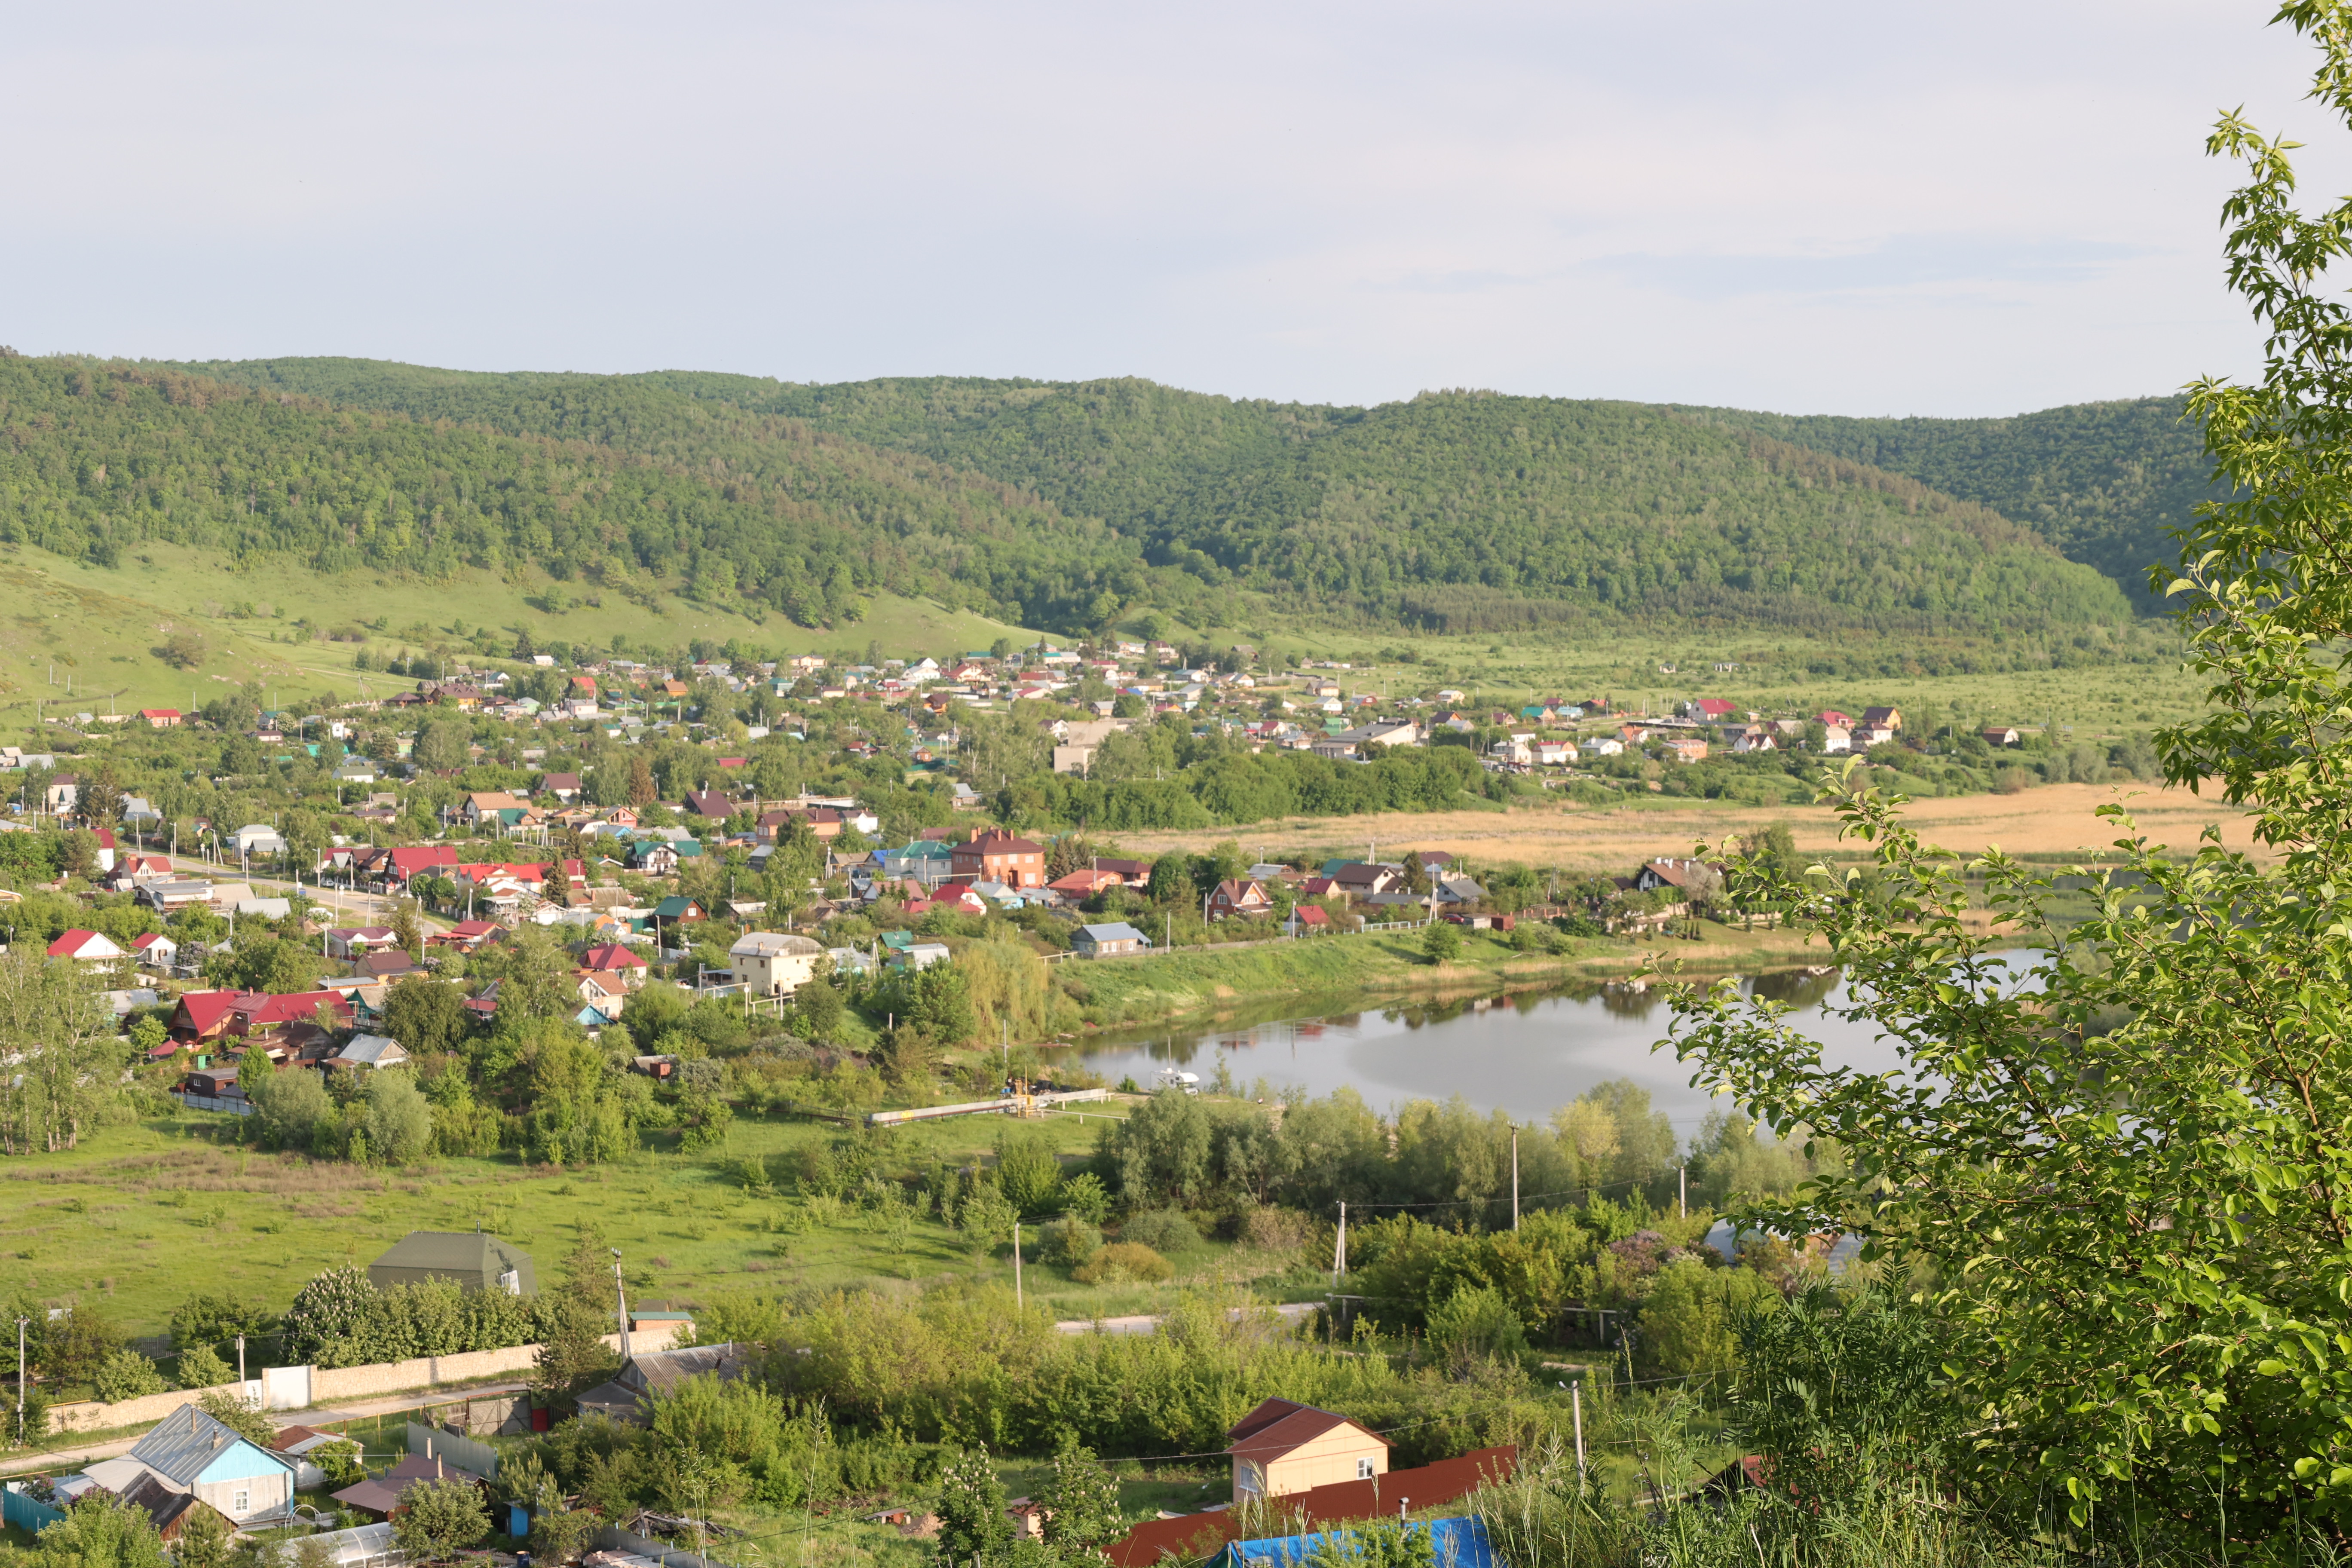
(1430, 1485)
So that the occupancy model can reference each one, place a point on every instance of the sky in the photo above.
(1810, 207)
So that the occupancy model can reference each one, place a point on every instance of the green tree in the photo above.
(425, 1015)
(438, 1519)
(69, 1071)
(126, 1374)
(202, 1367)
(1028, 1170)
(288, 1107)
(1441, 942)
(442, 745)
(1081, 1501)
(971, 1508)
(2125, 1183)
(205, 1540)
(101, 1531)
(399, 1121)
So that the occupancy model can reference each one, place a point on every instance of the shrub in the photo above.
(1069, 1242)
(1474, 1325)
(1123, 1262)
(201, 1368)
(1161, 1230)
(1084, 1195)
(1272, 1229)
(126, 1375)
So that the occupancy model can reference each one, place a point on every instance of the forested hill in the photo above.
(1466, 510)
(2102, 481)
(637, 490)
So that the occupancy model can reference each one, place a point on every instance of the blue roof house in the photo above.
(191, 1452)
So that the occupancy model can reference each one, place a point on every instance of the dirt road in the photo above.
(2053, 819)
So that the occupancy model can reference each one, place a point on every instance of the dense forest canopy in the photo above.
(1458, 510)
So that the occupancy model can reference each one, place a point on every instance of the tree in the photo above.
(427, 1016)
(406, 934)
(329, 1312)
(573, 1357)
(183, 650)
(971, 1508)
(438, 1519)
(2122, 1171)
(232, 1412)
(1028, 1170)
(443, 745)
(642, 792)
(1081, 1501)
(101, 1531)
(819, 1009)
(399, 1123)
(126, 1374)
(69, 1072)
(287, 1107)
(1441, 942)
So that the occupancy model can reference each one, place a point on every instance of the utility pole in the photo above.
(1340, 1249)
(1682, 1191)
(621, 1289)
(21, 1324)
(1016, 1266)
(1576, 1406)
(1514, 1176)
(240, 1362)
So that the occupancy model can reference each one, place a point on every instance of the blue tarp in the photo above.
(1457, 1543)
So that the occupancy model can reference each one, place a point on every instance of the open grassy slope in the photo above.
(105, 627)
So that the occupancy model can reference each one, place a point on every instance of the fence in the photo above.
(22, 1511)
(462, 1452)
(612, 1538)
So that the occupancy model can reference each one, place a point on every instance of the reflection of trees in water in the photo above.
(1795, 987)
(1630, 1002)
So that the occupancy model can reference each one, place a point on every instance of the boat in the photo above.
(1175, 1077)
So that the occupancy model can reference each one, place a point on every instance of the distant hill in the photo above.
(1467, 512)
(2102, 481)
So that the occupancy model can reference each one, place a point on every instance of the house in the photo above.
(356, 770)
(1234, 897)
(2000, 735)
(1683, 749)
(467, 936)
(1309, 918)
(160, 718)
(1109, 939)
(1084, 884)
(1695, 878)
(391, 963)
(189, 1452)
(157, 952)
(920, 956)
(469, 1259)
(1358, 879)
(410, 861)
(1887, 718)
(994, 855)
(650, 1373)
(770, 963)
(1283, 1446)
(256, 841)
(495, 806)
(612, 957)
(368, 1051)
(1754, 738)
(1832, 716)
(1456, 890)
(173, 894)
(565, 787)
(1555, 753)
(63, 795)
(1714, 710)
(653, 857)
(604, 990)
(1179, 1536)
(348, 942)
(710, 804)
(218, 1015)
(677, 907)
(381, 1496)
(86, 947)
(1836, 738)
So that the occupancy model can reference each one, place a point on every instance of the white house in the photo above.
(1836, 738)
(774, 963)
(258, 841)
(86, 947)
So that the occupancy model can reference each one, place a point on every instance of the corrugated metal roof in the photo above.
(188, 1440)
(470, 1257)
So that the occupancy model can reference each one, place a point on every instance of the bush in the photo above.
(1069, 1241)
(1441, 942)
(1271, 1229)
(1476, 1325)
(201, 1368)
(1123, 1262)
(126, 1375)
(1084, 1195)
(1161, 1230)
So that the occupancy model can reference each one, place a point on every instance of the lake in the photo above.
(1526, 1054)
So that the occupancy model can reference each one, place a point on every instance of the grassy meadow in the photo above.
(143, 1216)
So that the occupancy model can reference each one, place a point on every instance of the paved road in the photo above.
(1148, 1323)
(65, 1457)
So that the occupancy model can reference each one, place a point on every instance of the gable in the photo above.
(241, 1461)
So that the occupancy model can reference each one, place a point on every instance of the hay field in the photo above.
(2052, 819)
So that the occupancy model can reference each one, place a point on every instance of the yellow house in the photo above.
(1283, 1446)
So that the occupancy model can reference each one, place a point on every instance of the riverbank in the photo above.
(1194, 983)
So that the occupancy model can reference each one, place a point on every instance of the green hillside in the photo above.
(619, 491)
(2102, 481)
(1458, 511)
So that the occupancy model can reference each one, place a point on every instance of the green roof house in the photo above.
(475, 1261)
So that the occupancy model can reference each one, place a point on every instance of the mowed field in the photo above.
(2052, 819)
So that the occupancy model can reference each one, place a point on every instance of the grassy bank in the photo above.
(1124, 992)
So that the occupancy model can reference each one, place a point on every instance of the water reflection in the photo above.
(1525, 1052)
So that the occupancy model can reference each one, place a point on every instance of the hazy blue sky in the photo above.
(1868, 209)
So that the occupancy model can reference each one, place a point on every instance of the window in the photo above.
(1364, 1470)
(241, 1501)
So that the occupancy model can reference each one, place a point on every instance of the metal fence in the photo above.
(463, 1452)
(25, 1514)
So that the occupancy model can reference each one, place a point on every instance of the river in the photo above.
(1526, 1054)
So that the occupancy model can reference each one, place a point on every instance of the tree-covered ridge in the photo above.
(2102, 481)
(1460, 511)
(626, 485)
